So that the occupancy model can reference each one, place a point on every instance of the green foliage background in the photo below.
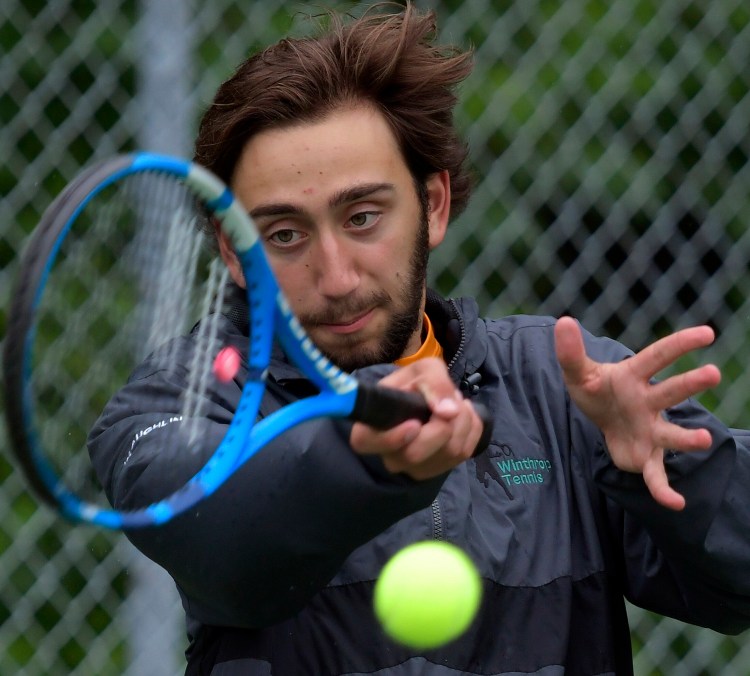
(546, 108)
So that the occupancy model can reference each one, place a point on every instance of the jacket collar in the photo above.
(460, 331)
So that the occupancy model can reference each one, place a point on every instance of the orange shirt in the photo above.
(429, 348)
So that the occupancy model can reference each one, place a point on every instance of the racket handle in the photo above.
(384, 407)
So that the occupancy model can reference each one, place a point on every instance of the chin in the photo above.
(353, 356)
(351, 361)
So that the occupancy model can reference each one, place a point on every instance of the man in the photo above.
(342, 148)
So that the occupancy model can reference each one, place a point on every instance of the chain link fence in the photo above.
(610, 141)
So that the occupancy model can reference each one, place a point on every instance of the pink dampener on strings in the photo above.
(226, 364)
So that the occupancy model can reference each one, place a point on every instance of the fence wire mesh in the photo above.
(610, 143)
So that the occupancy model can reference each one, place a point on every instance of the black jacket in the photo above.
(276, 569)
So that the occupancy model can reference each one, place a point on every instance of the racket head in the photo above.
(131, 228)
(101, 285)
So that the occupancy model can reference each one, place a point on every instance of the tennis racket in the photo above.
(119, 268)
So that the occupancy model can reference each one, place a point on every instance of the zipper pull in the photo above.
(470, 384)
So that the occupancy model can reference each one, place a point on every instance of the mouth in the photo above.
(349, 325)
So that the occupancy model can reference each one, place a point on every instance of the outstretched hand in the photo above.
(629, 409)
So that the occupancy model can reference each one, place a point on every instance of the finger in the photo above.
(664, 352)
(440, 446)
(456, 439)
(430, 378)
(677, 388)
(570, 350)
(655, 477)
(434, 466)
(420, 460)
(434, 437)
(368, 441)
(472, 439)
(429, 370)
(680, 438)
(447, 407)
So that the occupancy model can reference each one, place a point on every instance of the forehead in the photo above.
(348, 145)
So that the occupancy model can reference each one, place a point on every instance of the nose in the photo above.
(336, 269)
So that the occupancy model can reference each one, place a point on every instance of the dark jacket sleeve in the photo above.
(691, 565)
(276, 532)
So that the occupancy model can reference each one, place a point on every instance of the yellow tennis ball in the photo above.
(427, 594)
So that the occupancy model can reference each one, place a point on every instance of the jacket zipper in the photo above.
(462, 331)
(437, 521)
(437, 516)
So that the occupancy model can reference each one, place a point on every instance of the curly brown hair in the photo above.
(384, 58)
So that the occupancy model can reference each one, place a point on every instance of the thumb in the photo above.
(570, 351)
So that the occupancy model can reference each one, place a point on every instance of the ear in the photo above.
(439, 204)
(229, 257)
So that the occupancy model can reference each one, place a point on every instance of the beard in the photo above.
(404, 320)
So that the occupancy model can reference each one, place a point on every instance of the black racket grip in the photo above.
(385, 407)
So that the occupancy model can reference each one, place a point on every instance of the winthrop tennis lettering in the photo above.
(524, 471)
(147, 430)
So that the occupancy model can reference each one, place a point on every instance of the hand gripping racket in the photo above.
(117, 269)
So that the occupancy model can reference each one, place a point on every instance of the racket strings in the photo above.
(162, 252)
(63, 389)
(75, 319)
(183, 286)
(131, 276)
(207, 346)
(176, 280)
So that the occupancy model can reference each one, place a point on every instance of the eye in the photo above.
(364, 219)
(285, 237)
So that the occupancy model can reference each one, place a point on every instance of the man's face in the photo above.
(345, 232)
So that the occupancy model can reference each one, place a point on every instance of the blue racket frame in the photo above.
(269, 316)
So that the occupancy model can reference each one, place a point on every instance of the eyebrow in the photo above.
(350, 194)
